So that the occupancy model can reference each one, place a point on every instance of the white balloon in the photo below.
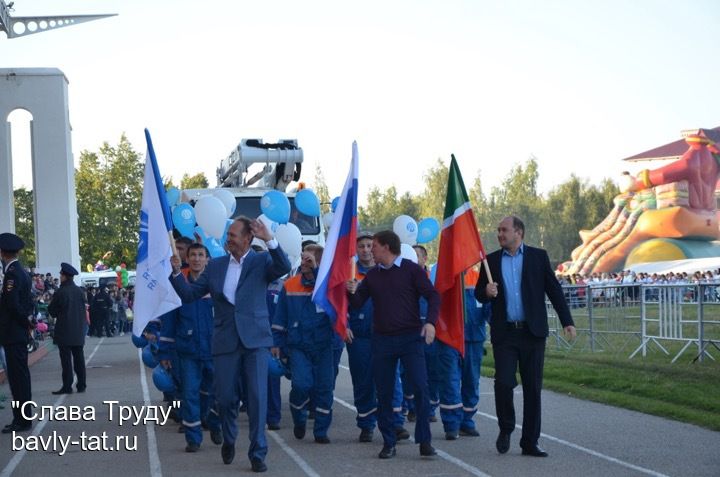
(406, 228)
(271, 226)
(406, 251)
(327, 219)
(290, 239)
(227, 199)
(211, 215)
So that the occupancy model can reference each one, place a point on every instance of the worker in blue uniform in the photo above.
(306, 333)
(187, 331)
(459, 390)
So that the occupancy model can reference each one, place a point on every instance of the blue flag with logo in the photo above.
(154, 294)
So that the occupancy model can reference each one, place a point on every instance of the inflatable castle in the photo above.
(664, 214)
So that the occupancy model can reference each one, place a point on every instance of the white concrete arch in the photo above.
(43, 93)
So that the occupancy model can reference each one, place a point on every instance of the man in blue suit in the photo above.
(241, 334)
(519, 327)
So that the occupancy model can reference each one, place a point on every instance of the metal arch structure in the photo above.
(16, 27)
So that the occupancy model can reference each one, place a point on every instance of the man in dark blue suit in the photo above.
(241, 336)
(519, 328)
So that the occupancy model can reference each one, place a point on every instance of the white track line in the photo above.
(554, 439)
(15, 461)
(588, 451)
(293, 455)
(154, 458)
(454, 460)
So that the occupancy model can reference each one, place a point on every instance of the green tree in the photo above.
(383, 207)
(198, 181)
(24, 223)
(518, 196)
(109, 192)
(319, 186)
(571, 207)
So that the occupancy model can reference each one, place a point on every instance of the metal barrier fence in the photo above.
(615, 317)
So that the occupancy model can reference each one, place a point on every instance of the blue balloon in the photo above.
(277, 368)
(173, 195)
(163, 380)
(205, 238)
(223, 239)
(149, 356)
(428, 229)
(307, 202)
(183, 216)
(214, 247)
(139, 341)
(334, 204)
(276, 206)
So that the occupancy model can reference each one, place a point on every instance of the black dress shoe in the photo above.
(273, 427)
(401, 434)
(63, 391)
(8, 426)
(81, 389)
(16, 428)
(299, 432)
(366, 435)
(411, 416)
(503, 442)
(387, 452)
(192, 447)
(227, 451)
(534, 451)
(469, 432)
(258, 465)
(427, 450)
(452, 436)
(322, 440)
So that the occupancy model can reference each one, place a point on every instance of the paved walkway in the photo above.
(583, 438)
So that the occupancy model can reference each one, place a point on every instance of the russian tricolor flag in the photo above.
(330, 291)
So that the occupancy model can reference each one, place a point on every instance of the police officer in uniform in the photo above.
(16, 307)
(68, 307)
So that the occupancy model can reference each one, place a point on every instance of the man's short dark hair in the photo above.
(246, 223)
(518, 225)
(316, 250)
(305, 243)
(421, 247)
(184, 240)
(389, 238)
(197, 245)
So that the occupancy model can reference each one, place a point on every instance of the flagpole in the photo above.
(172, 242)
(487, 270)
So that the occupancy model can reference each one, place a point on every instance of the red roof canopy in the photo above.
(675, 150)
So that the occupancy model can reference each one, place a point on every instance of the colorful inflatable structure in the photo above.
(668, 213)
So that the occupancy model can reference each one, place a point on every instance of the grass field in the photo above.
(600, 369)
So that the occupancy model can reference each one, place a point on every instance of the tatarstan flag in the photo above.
(460, 249)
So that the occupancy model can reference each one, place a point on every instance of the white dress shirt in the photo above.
(235, 268)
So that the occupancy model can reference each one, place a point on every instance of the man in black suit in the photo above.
(519, 328)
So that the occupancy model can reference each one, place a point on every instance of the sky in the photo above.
(578, 85)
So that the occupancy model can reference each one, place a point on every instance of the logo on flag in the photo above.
(154, 295)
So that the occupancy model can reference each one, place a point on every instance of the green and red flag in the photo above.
(460, 249)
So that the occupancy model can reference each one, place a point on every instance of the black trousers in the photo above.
(18, 374)
(72, 357)
(519, 348)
